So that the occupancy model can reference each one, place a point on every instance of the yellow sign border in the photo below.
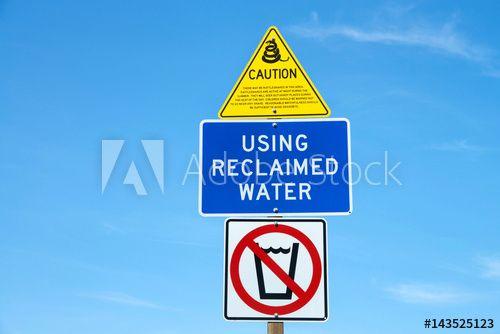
(299, 65)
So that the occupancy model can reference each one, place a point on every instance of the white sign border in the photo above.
(267, 214)
(271, 318)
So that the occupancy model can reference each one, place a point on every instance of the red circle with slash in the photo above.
(304, 296)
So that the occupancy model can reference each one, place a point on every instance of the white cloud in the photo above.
(125, 299)
(443, 39)
(492, 72)
(427, 294)
(136, 233)
(404, 30)
(458, 146)
(490, 267)
(111, 228)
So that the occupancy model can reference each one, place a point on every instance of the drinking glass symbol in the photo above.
(291, 272)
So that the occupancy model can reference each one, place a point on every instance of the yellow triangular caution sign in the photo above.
(274, 84)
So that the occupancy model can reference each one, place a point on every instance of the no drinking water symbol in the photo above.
(262, 258)
(272, 53)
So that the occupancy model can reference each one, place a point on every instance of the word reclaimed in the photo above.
(266, 167)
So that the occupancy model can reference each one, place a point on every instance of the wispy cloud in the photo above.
(111, 228)
(428, 294)
(461, 145)
(125, 299)
(138, 233)
(490, 267)
(402, 29)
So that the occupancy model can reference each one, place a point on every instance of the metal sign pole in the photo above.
(275, 328)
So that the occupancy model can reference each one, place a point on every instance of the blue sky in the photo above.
(420, 82)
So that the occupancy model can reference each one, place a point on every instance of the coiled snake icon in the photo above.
(272, 53)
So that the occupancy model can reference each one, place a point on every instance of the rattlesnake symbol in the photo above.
(272, 53)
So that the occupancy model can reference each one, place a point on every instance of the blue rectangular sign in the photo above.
(275, 167)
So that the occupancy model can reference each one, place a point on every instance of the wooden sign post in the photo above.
(275, 328)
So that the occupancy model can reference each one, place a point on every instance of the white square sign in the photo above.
(275, 269)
